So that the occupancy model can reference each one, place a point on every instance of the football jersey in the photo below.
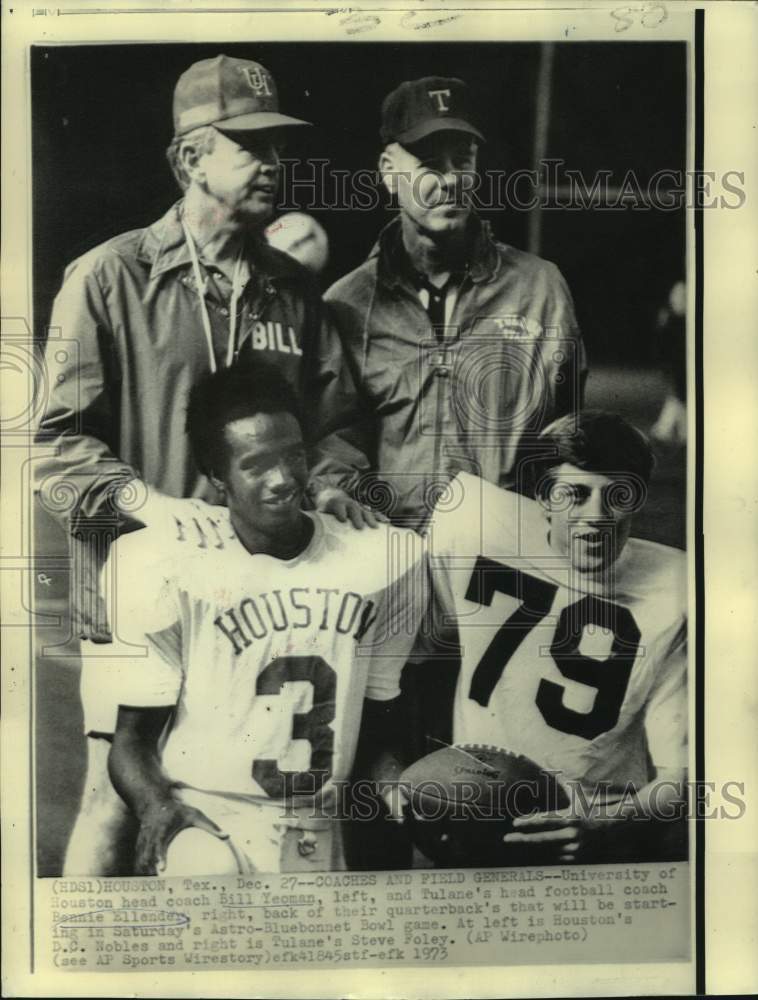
(267, 660)
(586, 676)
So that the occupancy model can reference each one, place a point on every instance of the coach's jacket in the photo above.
(125, 346)
(510, 361)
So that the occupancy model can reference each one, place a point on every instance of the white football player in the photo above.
(265, 641)
(572, 634)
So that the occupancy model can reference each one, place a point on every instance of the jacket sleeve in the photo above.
(572, 371)
(339, 422)
(80, 419)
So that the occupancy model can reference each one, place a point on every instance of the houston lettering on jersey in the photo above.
(297, 608)
(266, 661)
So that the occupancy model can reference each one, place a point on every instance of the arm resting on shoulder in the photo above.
(340, 424)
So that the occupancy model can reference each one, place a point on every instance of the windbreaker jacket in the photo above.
(511, 360)
(125, 346)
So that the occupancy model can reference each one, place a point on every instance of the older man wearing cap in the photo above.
(462, 348)
(151, 311)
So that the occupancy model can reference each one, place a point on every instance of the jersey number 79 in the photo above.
(610, 676)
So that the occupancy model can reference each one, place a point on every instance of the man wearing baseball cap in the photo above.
(152, 310)
(461, 346)
(485, 334)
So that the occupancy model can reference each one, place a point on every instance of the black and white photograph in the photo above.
(362, 485)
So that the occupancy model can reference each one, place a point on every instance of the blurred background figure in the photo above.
(671, 425)
(300, 236)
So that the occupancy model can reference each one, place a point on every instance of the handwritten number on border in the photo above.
(649, 16)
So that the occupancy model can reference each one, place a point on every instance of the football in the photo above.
(462, 800)
(195, 852)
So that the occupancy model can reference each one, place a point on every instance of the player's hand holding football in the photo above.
(160, 822)
(565, 834)
(344, 508)
(606, 829)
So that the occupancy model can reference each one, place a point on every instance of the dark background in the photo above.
(102, 121)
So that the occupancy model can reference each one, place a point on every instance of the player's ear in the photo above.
(217, 484)
(542, 496)
(388, 170)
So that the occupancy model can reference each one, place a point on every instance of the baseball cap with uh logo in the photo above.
(233, 95)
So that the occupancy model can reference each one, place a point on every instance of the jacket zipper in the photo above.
(437, 386)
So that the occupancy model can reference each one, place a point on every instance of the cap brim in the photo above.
(431, 125)
(257, 120)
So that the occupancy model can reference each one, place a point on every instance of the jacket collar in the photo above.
(392, 266)
(164, 248)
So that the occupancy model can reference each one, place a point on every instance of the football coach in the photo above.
(151, 311)
(462, 347)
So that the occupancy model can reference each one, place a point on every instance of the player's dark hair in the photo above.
(229, 394)
(596, 441)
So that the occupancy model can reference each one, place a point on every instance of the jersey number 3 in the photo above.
(609, 677)
(313, 726)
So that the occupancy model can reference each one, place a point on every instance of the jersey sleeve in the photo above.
(454, 537)
(479, 519)
(399, 612)
(147, 621)
(475, 517)
(666, 713)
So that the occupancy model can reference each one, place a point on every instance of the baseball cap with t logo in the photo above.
(417, 108)
(233, 95)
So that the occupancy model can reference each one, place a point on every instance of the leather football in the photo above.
(462, 800)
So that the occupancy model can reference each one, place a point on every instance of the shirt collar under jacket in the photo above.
(483, 257)
(164, 247)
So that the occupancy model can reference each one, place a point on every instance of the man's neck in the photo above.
(433, 254)
(218, 238)
(287, 545)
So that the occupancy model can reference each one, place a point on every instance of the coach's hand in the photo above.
(344, 508)
(159, 824)
(561, 835)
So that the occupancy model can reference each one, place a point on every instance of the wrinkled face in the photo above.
(265, 474)
(433, 182)
(241, 173)
(590, 516)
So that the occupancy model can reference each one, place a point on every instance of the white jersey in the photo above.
(586, 678)
(267, 660)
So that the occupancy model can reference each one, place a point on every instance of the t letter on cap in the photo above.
(418, 108)
(439, 94)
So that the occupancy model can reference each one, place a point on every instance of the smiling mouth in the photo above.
(592, 537)
(284, 499)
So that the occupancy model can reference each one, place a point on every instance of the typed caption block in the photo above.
(493, 917)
